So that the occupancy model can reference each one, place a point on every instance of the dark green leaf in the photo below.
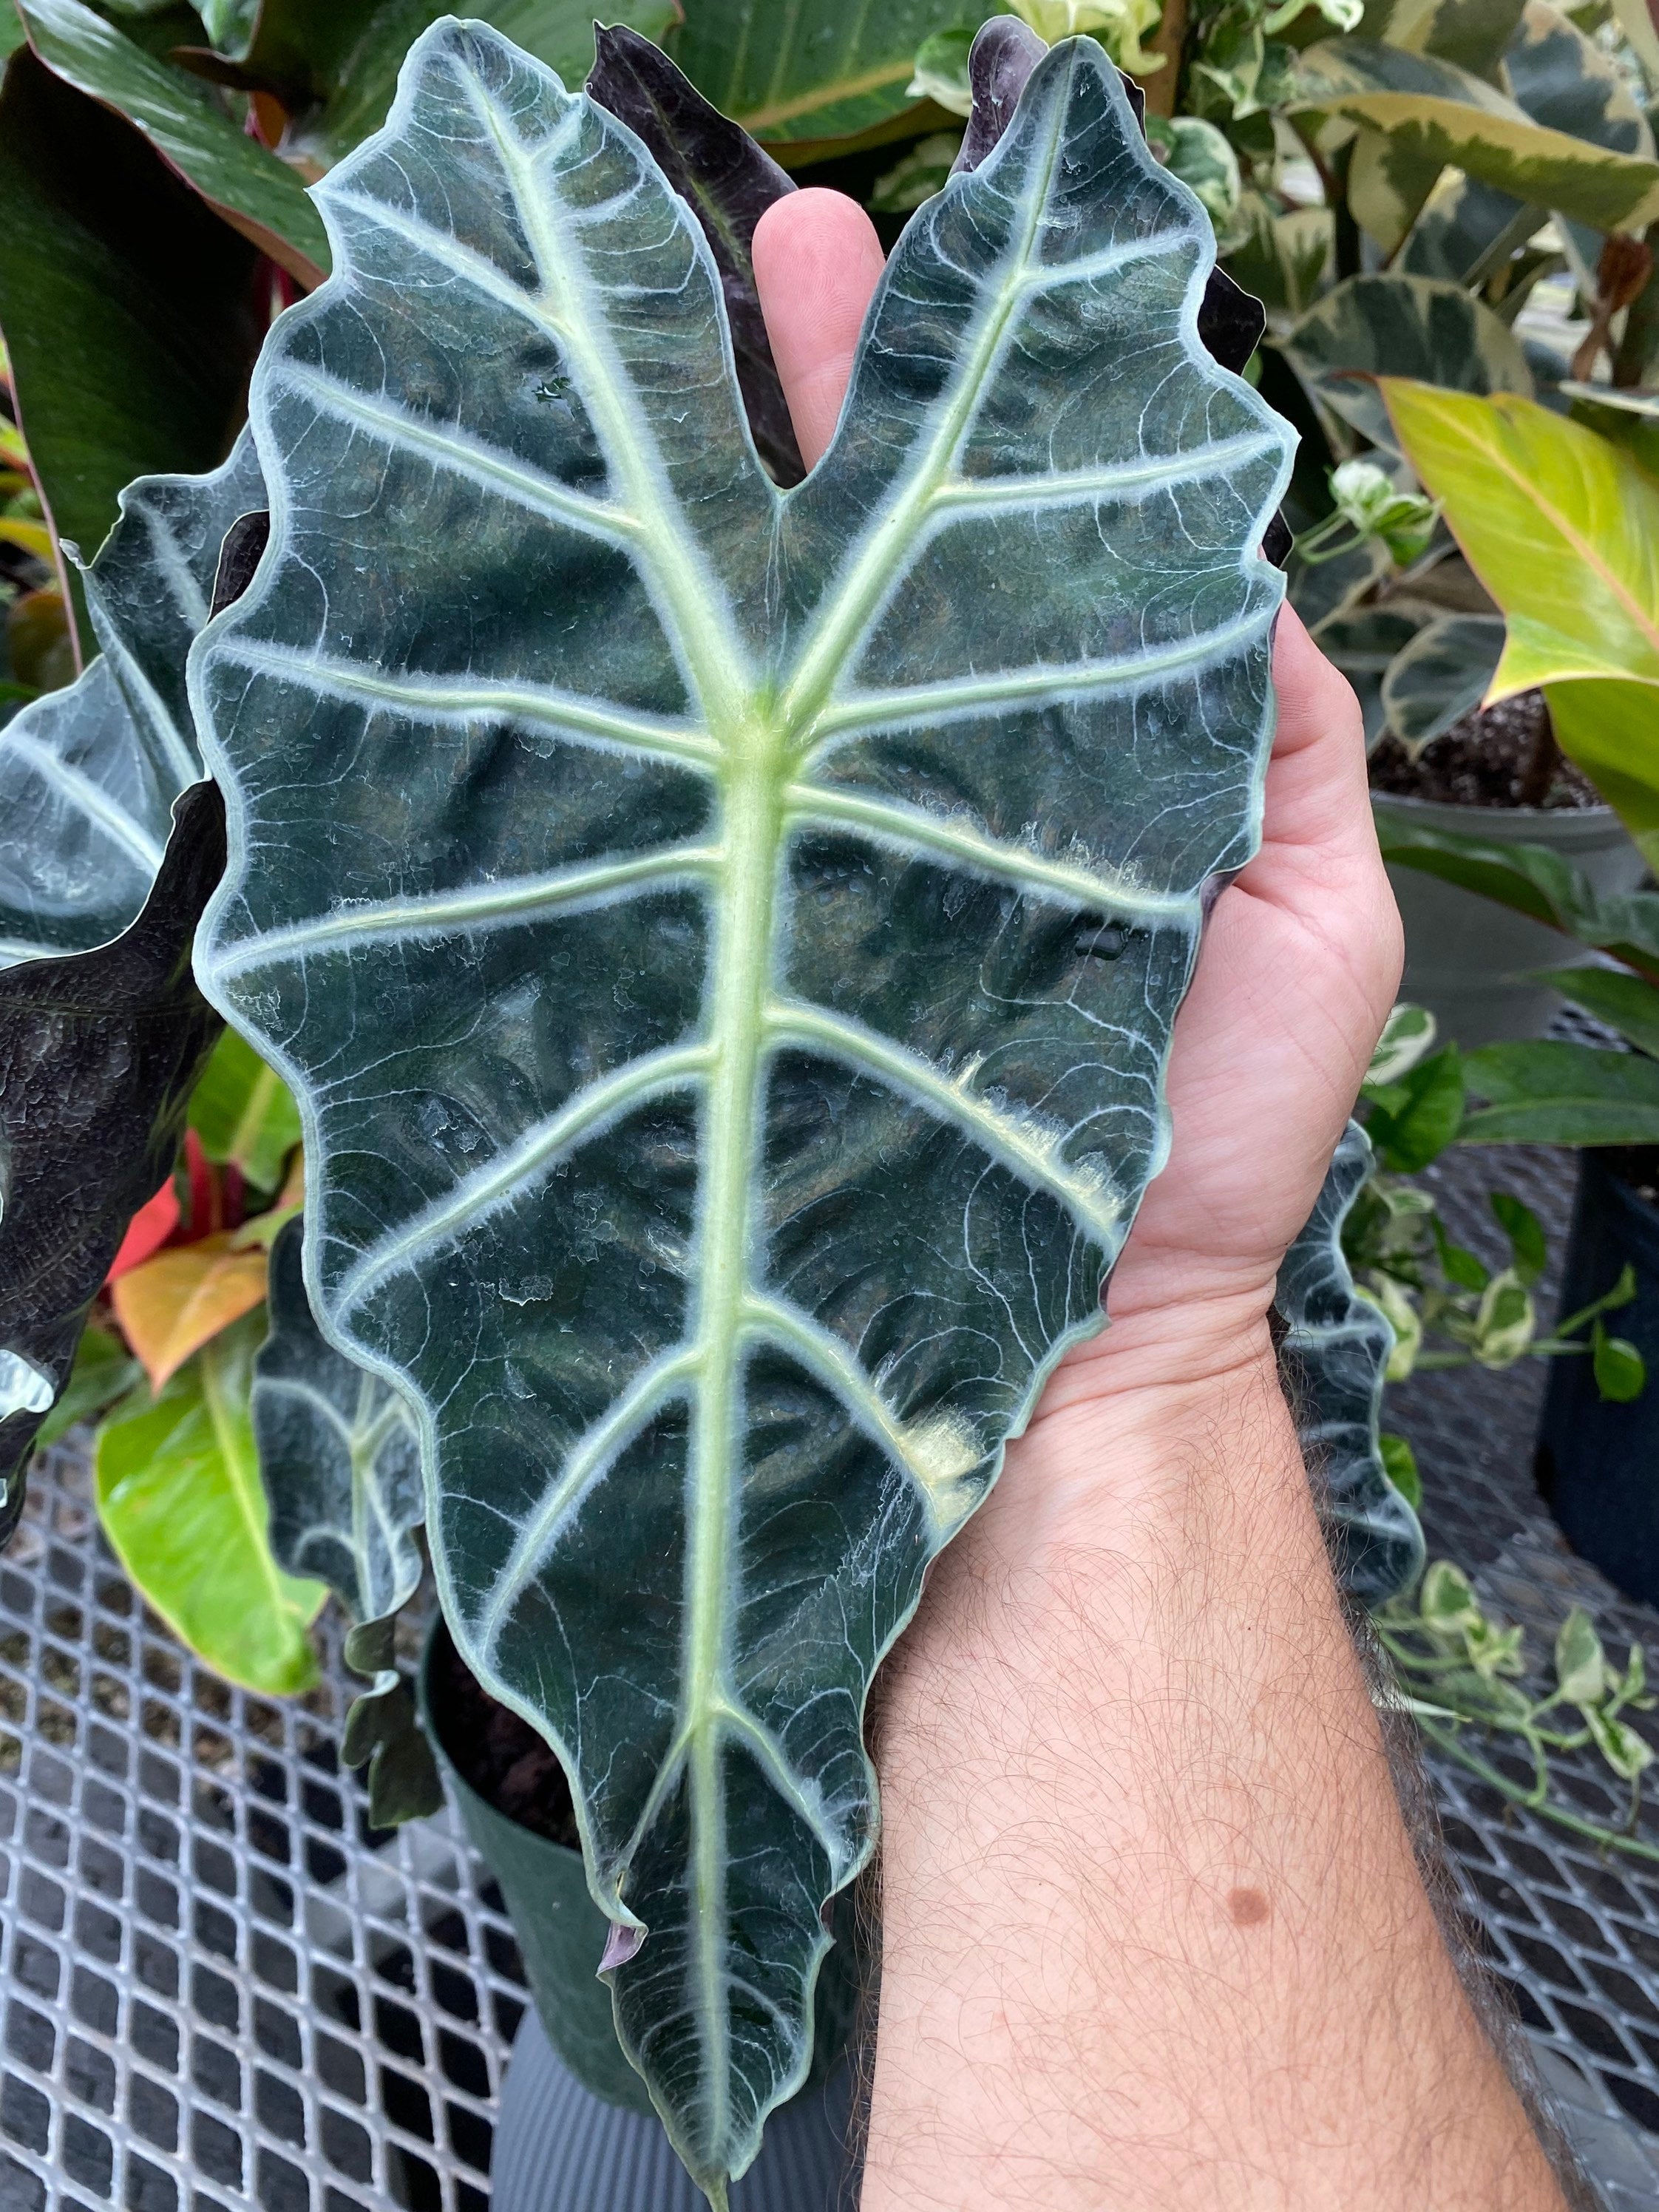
(1335, 1348)
(128, 308)
(88, 775)
(1470, 35)
(1627, 1003)
(817, 70)
(1528, 1251)
(339, 1455)
(744, 1051)
(1621, 1372)
(1440, 675)
(1390, 325)
(1457, 1264)
(342, 1469)
(98, 1054)
(729, 183)
(242, 180)
(1552, 1093)
(1416, 1131)
(334, 63)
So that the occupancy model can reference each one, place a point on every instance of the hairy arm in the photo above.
(1153, 1931)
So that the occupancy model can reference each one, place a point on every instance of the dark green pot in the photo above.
(562, 1937)
(561, 1931)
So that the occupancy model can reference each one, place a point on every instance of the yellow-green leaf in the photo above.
(181, 1501)
(1438, 114)
(173, 1305)
(28, 537)
(1563, 529)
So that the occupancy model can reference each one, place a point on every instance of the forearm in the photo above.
(1153, 1935)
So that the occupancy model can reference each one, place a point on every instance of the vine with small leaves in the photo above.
(1457, 1672)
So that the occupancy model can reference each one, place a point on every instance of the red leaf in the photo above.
(149, 1230)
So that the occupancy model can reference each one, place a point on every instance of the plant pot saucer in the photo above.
(560, 2149)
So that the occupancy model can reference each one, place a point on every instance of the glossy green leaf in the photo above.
(244, 1113)
(104, 1371)
(1439, 114)
(128, 308)
(817, 70)
(341, 1466)
(1551, 1093)
(179, 1496)
(1528, 1253)
(1201, 156)
(242, 180)
(1411, 1122)
(1626, 1003)
(728, 998)
(1621, 1373)
(1465, 231)
(1563, 529)
(1400, 326)
(1400, 1465)
(88, 775)
(1388, 181)
(1444, 672)
(1336, 1347)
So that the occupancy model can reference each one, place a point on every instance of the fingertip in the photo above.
(817, 260)
(1316, 700)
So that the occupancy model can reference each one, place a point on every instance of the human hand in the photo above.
(1301, 954)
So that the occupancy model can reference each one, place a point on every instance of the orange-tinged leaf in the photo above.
(172, 1305)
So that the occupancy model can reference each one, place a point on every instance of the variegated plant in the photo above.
(725, 941)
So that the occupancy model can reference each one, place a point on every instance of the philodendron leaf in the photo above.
(1561, 526)
(1439, 115)
(342, 1470)
(89, 775)
(729, 183)
(129, 309)
(1400, 326)
(179, 1496)
(256, 192)
(98, 1053)
(1443, 673)
(1336, 1346)
(728, 993)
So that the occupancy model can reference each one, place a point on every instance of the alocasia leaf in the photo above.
(342, 1470)
(725, 941)
(1335, 1348)
(179, 1496)
(242, 180)
(88, 775)
(128, 308)
(729, 183)
(98, 1053)
(1000, 60)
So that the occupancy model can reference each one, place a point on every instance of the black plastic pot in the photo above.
(578, 2132)
(1597, 1464)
